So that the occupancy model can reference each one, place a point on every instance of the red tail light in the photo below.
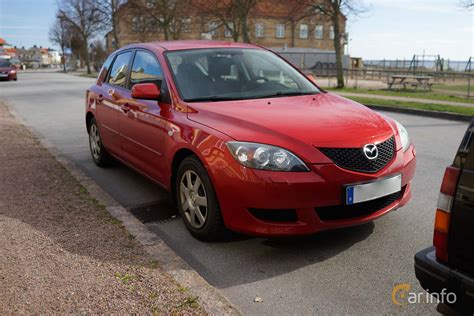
(443, 212)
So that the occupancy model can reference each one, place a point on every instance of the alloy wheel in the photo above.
(193, 199)
(94, 138)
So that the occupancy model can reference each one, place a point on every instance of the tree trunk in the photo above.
(86, 54)
(114, 33)
(338, 50)
(63, 59)
(245, 30)
(293, 29)
(114, 24)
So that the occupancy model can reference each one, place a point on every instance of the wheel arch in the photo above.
(178, 157)
(89, 117)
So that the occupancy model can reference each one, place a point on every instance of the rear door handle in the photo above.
(125, 107)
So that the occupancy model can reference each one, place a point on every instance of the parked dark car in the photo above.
(7, 70)
(449, 265)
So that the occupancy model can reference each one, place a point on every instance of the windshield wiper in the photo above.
(286, 94)
(213, 98)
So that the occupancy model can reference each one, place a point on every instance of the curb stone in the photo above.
(211, 300)
(434, 114)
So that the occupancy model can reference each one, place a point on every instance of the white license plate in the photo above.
(358, 193)
(3, 75)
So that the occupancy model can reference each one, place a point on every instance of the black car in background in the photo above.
(449, 266)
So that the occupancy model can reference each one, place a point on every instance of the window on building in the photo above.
(229, 29)
(303, 30)
(259, 30)
(331, 32)
(186, 25)
(280, 31)
(118, 73)
(151, 4)
(151, 24)
(213, 28)
(136, 24)
(319, 32)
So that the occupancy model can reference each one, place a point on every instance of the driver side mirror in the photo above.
(147, 91)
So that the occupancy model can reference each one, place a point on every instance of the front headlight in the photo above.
(265, 157)
(403, 136)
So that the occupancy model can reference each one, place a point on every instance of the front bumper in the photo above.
(242, 190)
(435, 276)
(8, 76)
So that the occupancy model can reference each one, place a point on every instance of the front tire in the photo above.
(99, 154)
(197, 202)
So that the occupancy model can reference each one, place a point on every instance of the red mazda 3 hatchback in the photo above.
(244, 141)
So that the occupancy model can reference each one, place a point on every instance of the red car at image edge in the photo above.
(244, 141)
(7, 70)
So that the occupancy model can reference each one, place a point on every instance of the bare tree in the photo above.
(85, 18)
(58, 34)
(297, 10)
(232, 14)
(168, 16)
(468, 4)
(110, 9)
(98, 54)
(335, 11)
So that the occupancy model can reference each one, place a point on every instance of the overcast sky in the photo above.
(391, 29)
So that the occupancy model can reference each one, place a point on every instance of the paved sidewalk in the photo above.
(60, 251)
(406, 99)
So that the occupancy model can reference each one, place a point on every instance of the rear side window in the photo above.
(146, 69)
(119, 71)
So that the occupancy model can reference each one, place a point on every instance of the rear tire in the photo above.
(197, 202)
(99, 154)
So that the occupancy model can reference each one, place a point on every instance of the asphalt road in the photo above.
(346, 271)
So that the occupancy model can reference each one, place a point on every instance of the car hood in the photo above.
(322, 120)
(2, 69)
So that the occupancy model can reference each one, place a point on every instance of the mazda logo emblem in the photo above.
(371, 151)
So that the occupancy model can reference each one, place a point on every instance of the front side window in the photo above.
(118, 73)
(146, 69)
(303, 30)
(280, 30)
(234, 74)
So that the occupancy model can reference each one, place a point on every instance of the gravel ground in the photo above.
(61, 252)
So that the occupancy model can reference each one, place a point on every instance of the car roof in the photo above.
(191, 44)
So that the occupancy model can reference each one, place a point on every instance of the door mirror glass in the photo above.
(147, 91)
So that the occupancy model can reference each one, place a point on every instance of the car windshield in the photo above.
(235, 74)
(5, 63)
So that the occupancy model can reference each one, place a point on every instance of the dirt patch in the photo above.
(62, 252)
